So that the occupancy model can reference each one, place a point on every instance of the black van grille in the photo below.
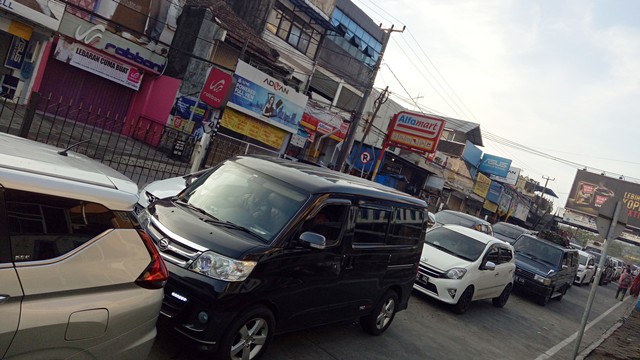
(524, 273)
(170, 249)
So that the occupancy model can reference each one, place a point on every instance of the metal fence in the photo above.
(142, 150)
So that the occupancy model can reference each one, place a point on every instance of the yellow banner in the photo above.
(256, 129)
(20, 30)
(482, 185)
(490, 206)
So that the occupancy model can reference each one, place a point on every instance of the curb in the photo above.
(589, 349)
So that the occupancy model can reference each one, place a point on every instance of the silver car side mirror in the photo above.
(313, 240)
(490, 266)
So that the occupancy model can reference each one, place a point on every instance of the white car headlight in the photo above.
(221, 267)
(144, 218)
(542, 279)
(456, 273)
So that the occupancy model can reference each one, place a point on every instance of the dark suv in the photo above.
(544, 268)
(258, 246)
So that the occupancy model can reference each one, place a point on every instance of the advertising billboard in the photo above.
(265, 98)
(471, 154)
(511, 178)
(494, 165)
(589, 191)
(482, 185)
(415, 132)
(215, 89)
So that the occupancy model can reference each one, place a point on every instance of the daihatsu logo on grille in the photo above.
(164, 244)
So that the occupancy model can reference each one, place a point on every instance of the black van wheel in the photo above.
(544, 299)
(564, 291)
(501, 300)
(249, 335)
(465, 300)
(382, 315)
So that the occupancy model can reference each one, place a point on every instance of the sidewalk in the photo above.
(621, 341)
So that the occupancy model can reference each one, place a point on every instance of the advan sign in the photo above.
(415, 132)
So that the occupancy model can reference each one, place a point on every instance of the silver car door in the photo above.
(10, 300)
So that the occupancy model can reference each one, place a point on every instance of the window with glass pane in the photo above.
(294, 35)
(274, 20)
(407, 227)
(43, 227)
(283, 30)
(371, 226)
(494, 255)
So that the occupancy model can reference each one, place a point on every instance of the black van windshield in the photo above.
(251, 200)
(537, 250)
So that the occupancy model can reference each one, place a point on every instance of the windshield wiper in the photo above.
(193, 207)
(231, 225)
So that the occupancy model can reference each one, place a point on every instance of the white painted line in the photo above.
(552, 351)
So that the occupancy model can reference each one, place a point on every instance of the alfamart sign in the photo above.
(415, 132)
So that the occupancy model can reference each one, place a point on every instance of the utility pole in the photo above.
(353, 127)
(378, 102)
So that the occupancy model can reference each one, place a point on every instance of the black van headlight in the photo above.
(221, 267)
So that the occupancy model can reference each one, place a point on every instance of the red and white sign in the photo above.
(216, 88)
(415, 132)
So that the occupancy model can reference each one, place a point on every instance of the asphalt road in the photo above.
(429, 330)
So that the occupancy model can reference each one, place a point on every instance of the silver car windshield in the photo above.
(235, 195)
(455, 243)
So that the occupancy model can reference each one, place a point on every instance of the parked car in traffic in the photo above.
(618, 266)
(78, 277)
(460, 265)
(586, 268)
(260, 246)
(544, 268)
(609, 269)
(508, 232)
(462, 219)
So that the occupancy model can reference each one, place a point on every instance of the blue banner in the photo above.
(184, 106)
(471, 154)
(494, 165)
(495, 191)
(15, 55)
(265, 98)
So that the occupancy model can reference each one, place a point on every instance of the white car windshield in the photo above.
(235, 195)
(455, 243)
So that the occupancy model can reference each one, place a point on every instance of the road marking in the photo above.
(552, 351)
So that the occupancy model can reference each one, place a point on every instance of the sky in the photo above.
(558, 77)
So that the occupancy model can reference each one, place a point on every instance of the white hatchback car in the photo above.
(460, 265)
(586, 268)
(79, 278)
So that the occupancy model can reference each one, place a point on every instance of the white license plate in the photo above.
(423, 278)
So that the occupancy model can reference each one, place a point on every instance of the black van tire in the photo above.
(501, 300)
(382, 315)
(564, 291)
(464, 301)
(544, 299)
(254, 321)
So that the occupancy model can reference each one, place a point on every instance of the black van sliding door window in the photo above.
(371, 226)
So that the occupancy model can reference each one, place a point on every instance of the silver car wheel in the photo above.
(386, 313)
(250, 339)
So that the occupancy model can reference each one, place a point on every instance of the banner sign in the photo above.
(327, 122)
(415, 132)
(252, 128)
(589, 191)
(490, 206)
(471, 154)
(494, 165)
(15, 55)
(511, 178)
(92, 61)
(184, 106)
(521, 210)
(265, 98)
(98, 36)
(215, 89)
(495, 191)
(482, 185)
(46, 13)
(504, 204)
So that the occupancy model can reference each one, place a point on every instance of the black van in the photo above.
(544, 268)
(261, 246)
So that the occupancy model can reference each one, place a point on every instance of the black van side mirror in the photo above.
(313, 240)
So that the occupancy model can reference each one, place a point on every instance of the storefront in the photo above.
(24, 29)
(322, 131)
(92, 65)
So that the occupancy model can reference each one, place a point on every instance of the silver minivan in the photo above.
(78, 277)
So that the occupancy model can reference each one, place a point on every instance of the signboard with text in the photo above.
(590, 191)
(215, 89)
(511, 178)
(96, 63)
(415, 132)
(494, 165)
(265, 98)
